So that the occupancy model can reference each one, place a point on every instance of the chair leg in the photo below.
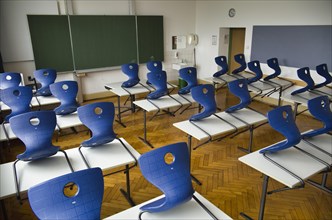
(205, 208)
(81, 153)
(126, 193)
(67, 159)
(18, 194)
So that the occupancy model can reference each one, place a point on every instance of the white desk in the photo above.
(163, 103)
(47, 100)
(188, 210)
(292, 159)
(106, 157)
(138, 89)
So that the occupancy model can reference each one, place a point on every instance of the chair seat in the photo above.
(41, 153)
(98, 140)
(157, 94)
(161, 205)
(130, 83)
(44, 92)
(65, 110)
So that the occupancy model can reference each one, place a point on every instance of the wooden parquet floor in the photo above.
(227, 183)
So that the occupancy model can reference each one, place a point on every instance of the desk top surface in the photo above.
(68, 121)
(293, 159)
(215, 126)
(106, 157)
(188, 210)
(164, 102)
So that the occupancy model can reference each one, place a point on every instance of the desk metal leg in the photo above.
(145, 138)
(132, 105)
(263, 200)
(251, 137)
(126, 194)
(119, 114)
(192, 176)
(3, 208)
(322, 185)
(296, 106)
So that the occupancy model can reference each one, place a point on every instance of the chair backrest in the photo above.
(159, 81)
(9, 79)
(319, 107)
(222, 62)
(188, 74)
(273, 64)
(66, 92)
(256, 68)
(282, 120)
(35, 129)
(154, 66)
(304, 74)
(131, 70)
(239, 88)
(18, 99)
(46, 77)
(239, 58)
(324, 72)
(99, 118)
(204, 95)
(52, 199)
(169, 174)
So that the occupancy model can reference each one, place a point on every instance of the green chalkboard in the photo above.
(103, 41)
(51, 42)
(150, 38)
(97, 41)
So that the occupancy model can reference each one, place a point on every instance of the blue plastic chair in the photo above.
(324, 72)
(204, 95)
(131, 70)
(48, 200)
(154, 66)
(9, 79)
(239, 58)
(239, 88)
(18, 99)
(188, 74)
(304, 74)
(222, 62)
(256, 68)
(172, 178)
(66, 92)
(46, 77)
(35, 129)
(273, 63)
(319, 107)
(159, 81)
(282, 120)
(99, 118)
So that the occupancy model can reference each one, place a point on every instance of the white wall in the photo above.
(211, 15)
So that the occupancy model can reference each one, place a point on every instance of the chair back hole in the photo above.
(131, 67)
(8, 77)
(70, 190)
(324, 67)
(34, 121)
(16, 92)
(323, 103)
(65, 87)
(274, 61)
(45, 73)
(189, 71)
(155, 64)
(284, 114)
(205, 91)
(241, 85)
(255, 64)
(306, 72)
(169, 158)
(98, 111)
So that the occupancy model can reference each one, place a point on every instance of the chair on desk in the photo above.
(222, 62)
(168, 169)
(66, 92)
(46, 77)
(99, 118)
(10, 79)
(240, 59)
(35, 129)
(188, 74)
(76, 195)
(131, 70)
(239, 88)
(18, 99)
(273, 63)
(153, 66)
(323, 71)
(320, 108)
(304, 74)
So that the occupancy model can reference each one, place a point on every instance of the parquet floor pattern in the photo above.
(227, 183)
